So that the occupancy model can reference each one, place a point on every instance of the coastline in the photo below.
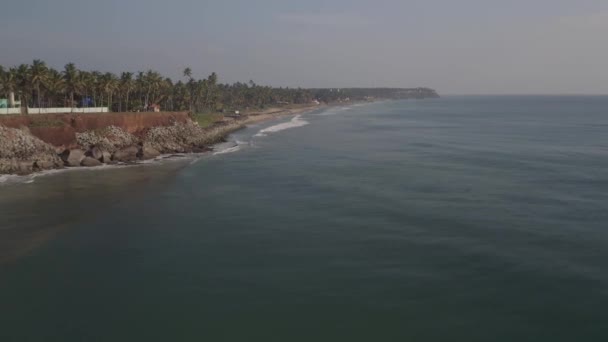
(275, 113)
(153, 152)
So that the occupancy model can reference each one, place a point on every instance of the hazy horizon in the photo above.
(471, 47)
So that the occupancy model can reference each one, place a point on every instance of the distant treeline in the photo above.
(331, 95)
(37, 85)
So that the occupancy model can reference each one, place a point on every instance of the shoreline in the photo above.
(212, 136)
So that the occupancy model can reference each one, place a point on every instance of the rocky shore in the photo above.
(22, 153)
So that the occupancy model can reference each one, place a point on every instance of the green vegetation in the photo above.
(331, 95)
(207, 119)
(37, 85)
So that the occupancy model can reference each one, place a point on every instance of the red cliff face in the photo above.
(61, 129)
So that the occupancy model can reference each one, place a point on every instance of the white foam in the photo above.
(228, 150)
(297, 121)
(31, 178)
(10, 179)
(162, 159)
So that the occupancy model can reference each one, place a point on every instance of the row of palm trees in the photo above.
(38, 85)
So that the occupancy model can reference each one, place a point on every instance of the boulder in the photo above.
(90, 162)
(21, 152)
(128, 154)
(72, 157)
(24, 168)
(44, 164)
(146, 152)
(109, 139)
(95, 153)
(7, 166)
(106, 157)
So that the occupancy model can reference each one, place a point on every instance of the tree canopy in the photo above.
(38, 85)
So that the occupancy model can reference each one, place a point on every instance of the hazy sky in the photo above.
(454, 46)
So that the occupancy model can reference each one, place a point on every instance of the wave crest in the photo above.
(297, 121)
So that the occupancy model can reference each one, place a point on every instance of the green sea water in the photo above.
(455, 219)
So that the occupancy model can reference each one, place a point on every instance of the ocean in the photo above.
(452, 219)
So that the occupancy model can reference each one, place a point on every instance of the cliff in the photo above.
(41, 142)
(61, 129)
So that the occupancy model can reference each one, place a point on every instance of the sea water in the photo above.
(453, 219)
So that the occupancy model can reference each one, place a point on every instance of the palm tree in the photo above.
(188, 73)
(2, 71)
(38, 74)
(109, 85)
(126, 85)
(9, 83)
(151, 84)
(22, 75)
(191, 87)
(86, 85)
(211, 90)
(180, 96)
(2, 83)
(93, 80)
(168, 93)
(70, 75)
(201, 94)
(140, 86)
(54, 84)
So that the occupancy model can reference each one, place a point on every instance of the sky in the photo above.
(456, 47)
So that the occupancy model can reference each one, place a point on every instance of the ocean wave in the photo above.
(226, 147)
(10, 179)
(31, 178)
(297, 121)
(227, 150)
(230, 147)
